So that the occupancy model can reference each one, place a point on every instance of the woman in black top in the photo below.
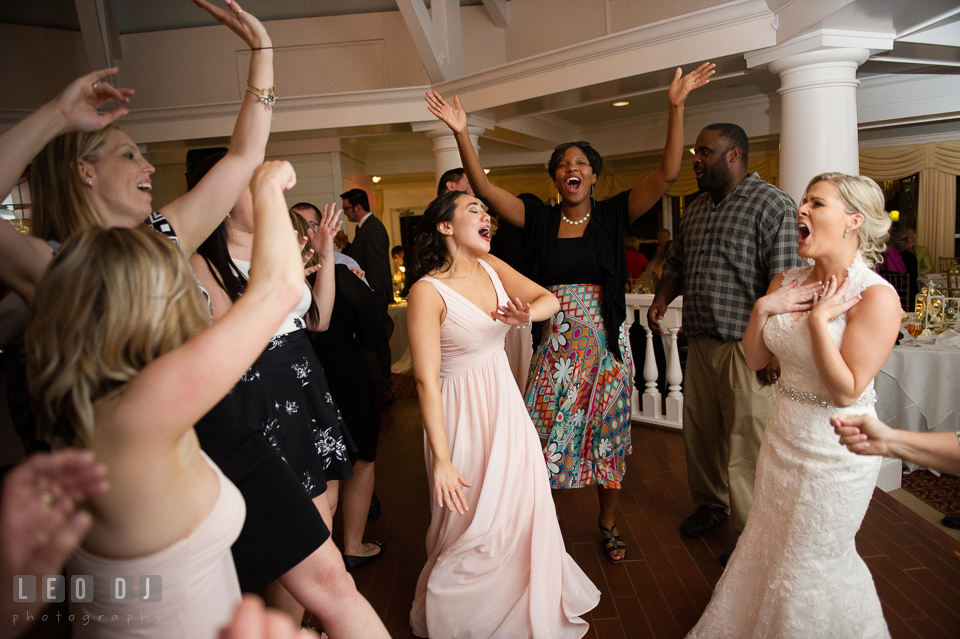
(581, 380)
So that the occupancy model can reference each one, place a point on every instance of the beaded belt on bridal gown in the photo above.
(823, 401)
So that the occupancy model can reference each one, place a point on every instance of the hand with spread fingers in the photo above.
(681, 87)
(831, 304)
(321, 236)
(80, 101)
(453, 116)
(790, 299)
(515, 313)
(241, 22)
(447, 482)
(40, 523)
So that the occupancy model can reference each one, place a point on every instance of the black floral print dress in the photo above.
(285, 394)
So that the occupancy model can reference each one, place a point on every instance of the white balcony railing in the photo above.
(649, 408)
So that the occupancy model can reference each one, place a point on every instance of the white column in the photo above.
(818, 125)
(446, 156)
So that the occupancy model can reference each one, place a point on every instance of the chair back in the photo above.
(901, 282)
(948, 264)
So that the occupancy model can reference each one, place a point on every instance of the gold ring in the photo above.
(48, 498)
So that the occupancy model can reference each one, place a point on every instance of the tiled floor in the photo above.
(667, 581)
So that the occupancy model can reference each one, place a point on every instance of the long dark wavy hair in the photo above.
(429, 250)
(215, 249)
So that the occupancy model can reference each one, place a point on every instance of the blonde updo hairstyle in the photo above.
(61, 203)
(112, 301)
(862, 195)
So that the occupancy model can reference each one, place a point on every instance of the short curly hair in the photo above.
(862, 195)
(596, 162)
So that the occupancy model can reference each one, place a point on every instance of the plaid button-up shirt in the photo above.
(726, 254)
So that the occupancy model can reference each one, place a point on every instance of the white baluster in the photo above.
(674, 379)
(651, 396)
(634, 395)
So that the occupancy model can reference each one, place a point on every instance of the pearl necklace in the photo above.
(571, 222)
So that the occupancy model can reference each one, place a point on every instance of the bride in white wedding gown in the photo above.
(796, 571)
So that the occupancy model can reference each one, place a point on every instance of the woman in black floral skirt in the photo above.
(284, 393)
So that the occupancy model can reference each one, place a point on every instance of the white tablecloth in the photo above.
(918, 389)
(400, 360)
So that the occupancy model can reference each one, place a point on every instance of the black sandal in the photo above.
(612, 543)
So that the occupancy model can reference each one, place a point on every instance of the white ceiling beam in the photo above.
(101, 39)
(439, 40)
(499, 12)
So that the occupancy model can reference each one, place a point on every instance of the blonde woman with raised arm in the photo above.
(796, 571)
(117, 328)
(89, 175)
(496, 564)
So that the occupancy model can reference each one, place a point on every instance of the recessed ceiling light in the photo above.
(621, 103)
(376, 179)
(692, 152)
(486, 170)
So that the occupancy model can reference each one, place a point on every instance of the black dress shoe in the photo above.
(702, 521)
(352, 562)
(374, 507)
(951, 521)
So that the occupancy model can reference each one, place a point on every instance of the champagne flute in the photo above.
(914, 328)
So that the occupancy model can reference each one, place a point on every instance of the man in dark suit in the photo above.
(371, 244)
(371, 249)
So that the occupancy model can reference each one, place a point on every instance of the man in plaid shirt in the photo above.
(733, 240)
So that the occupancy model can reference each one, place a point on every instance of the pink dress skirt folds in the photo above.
(199, 587)
(500, 570)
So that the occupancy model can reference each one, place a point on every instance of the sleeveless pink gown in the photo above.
(500, 570)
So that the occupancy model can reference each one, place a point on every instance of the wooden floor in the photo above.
(665, 584)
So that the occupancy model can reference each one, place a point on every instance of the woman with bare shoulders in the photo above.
(796, 571)
(496, 564)
(117, 328)
(86, 177)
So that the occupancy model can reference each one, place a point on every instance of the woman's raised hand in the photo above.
(447, 481)
(453, 116)
(321, 237)
(514, 313)
(831, 302)
(681, 87)
(790, 299)
(80, 101)
(241, 22)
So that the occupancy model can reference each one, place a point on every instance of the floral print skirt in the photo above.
(285, 395)
(578, 393)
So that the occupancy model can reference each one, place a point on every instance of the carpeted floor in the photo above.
(941, 493)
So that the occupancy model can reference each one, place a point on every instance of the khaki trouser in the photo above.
(725, 410)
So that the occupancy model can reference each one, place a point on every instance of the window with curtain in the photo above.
(902, 196)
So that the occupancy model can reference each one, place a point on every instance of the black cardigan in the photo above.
(605, 234)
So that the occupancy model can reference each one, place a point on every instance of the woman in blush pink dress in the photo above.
(496, 563)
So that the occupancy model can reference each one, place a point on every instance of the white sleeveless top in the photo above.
(294, 319)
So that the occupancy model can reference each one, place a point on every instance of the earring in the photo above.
(88, 182)
(846, 233)
(593, 201)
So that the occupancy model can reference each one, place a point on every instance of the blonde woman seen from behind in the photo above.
(117, 329)
(796, 571)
